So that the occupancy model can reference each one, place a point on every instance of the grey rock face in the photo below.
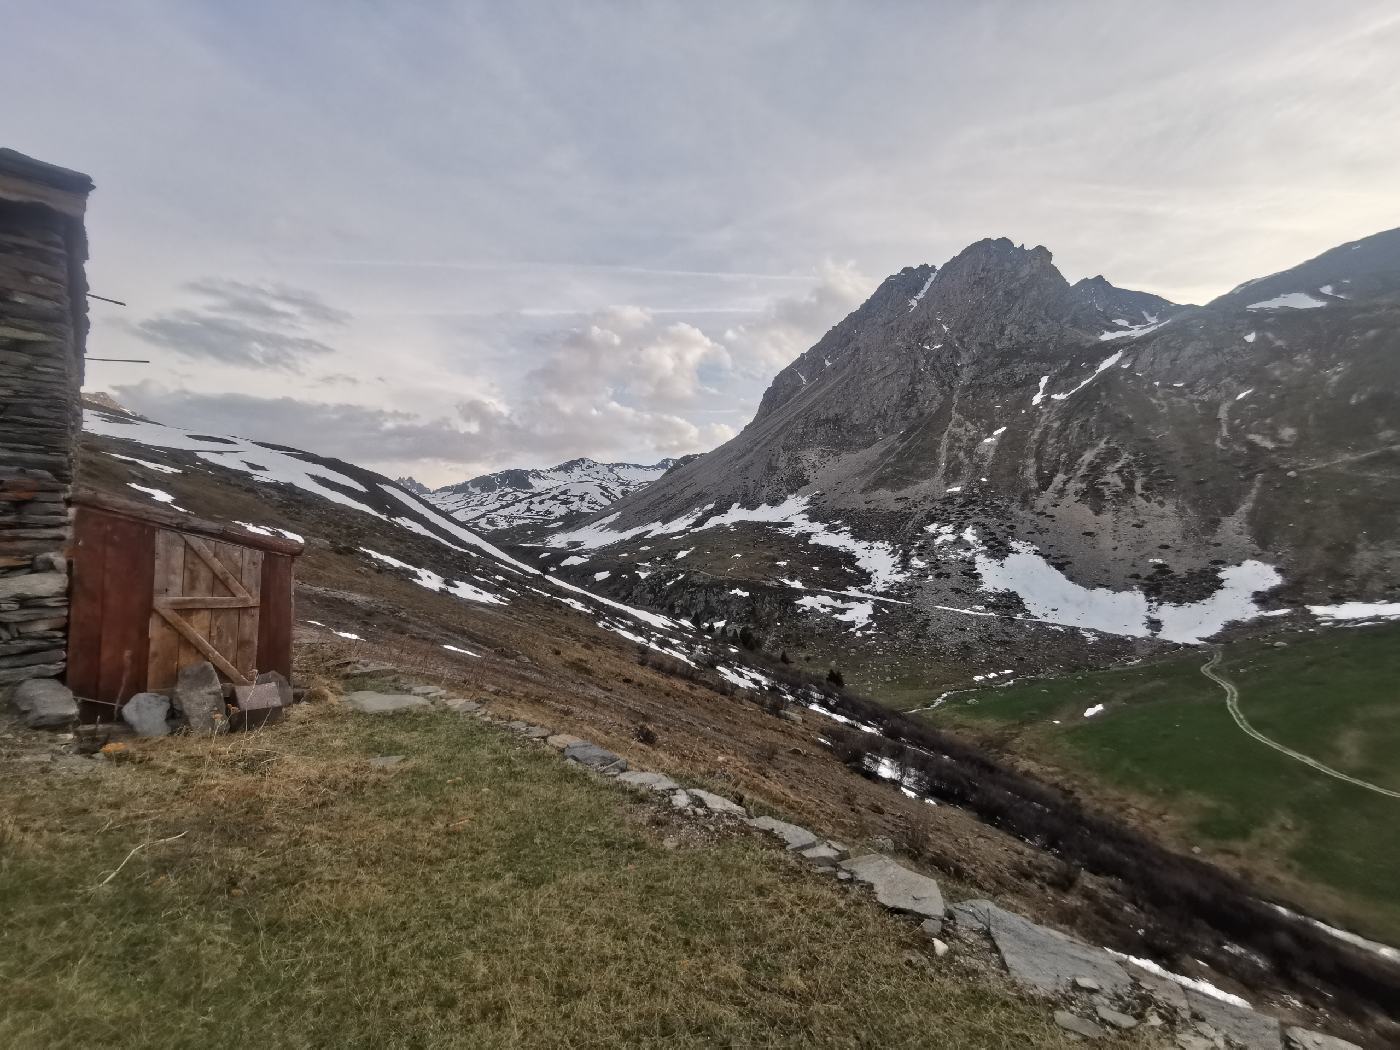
(1252, 1030)
(1078, 1025)
(896, 887)
(1303, 1039)
(369, 702)
(595, 757)
(199, 696)
(284, 687)
(1116, 1018)
(825, 854)
(147, 714)
(45, 703)
(1040, 958)
(793, 836)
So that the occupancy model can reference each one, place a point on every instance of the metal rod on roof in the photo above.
(124, 360)
(114, 302)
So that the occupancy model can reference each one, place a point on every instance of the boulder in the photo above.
(681, 800)
(716, 803)
(650, 781)
(896, 887)
(199, 696)
(793, 836)
(595, 757)
(1042, 959)
(368, 702)
(257, 705)
(148, 714)
(45, 703)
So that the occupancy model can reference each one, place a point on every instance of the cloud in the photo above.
(247, 325)
(792, 324)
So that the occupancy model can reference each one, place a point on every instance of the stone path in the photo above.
(1095, 995)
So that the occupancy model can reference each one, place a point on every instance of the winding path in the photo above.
(1232, 701)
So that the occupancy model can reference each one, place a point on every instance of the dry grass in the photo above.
(479, 894)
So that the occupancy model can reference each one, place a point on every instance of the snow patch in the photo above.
(1289, 301)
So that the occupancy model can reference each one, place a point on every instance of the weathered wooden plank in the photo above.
(85, 618)
(208, 553)
(126, 608)
(217, 601)
(169, 578)
(223, 619)
(199, 580)
(249, 619)
(196, 639)
(275, 628)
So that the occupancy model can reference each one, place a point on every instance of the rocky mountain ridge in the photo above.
(1024, 448)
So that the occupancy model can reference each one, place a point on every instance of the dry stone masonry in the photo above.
(43, 324)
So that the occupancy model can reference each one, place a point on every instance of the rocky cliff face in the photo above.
(986, 422)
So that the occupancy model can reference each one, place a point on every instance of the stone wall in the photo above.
(43, 322)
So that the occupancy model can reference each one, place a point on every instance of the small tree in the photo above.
(836, 678)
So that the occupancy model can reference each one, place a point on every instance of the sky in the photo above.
(440, 239)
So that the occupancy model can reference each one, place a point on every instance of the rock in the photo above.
(430, 691)
(561, 741)
(285, 693)
(364, 670)
(1302, 1039)
(1087, 984)
(882, 844)
(1116, 1019)
(515, 725)
(795, 837)
(256, 705)
(368, 702)
(595, 757)
(385, 761)
(45, 703)
(650, 781)
(716, 803)
(896, 887)
(825, 854)
(1249, 1029)
(1167, 993)
(1043, 959)
(147, 714)
(463, 707)
(199, 696)
(537, 733)
(932, 927)
(681, 800)
(940, 948)
(1073, 1023)
(1189, 1041)
(790, 715)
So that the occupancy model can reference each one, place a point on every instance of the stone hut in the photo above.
(43, 328)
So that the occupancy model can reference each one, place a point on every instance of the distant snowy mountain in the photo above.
(412, 484)
(511, 498)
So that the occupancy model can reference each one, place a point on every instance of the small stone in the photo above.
(843, 876)
(515, 725)
(825, 854)
(537, 733)
(561, 741)
(1078, 1025)
(681, 800)
(147, 714)
(385, 761)
(45, 703)
(1115, 1018)
(794, 836)
(717, 803)
(1087, 984)
(429, 691)
(940, 948)
(670, 842)
(932, 927)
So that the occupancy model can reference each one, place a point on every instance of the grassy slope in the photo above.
(480, 894)
(1166, 740)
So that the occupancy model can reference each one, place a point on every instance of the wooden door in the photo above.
(204, 607)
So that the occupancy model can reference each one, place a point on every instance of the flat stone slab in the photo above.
(896, 887)
(1040, 958)
(793, 835)
(1116, 1018)
(824, 854)
(1303, 1039)
(651, 781)
(1250, 1029)
(368, 702)
(462, 707)
(537, 733)
(561, 741)
(1076, 1024)
(430, 691)
(595, 757)
(515, 725)
(716, 803)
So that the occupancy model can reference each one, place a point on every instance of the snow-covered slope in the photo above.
(543, 497)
